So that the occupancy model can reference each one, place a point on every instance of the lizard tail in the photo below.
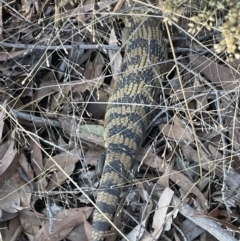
(121, 152)
(127, 115)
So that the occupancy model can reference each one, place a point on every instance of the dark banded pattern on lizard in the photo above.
(127, 114)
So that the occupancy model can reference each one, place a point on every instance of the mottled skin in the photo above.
(128, 111)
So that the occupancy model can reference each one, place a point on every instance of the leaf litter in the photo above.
(59, 63)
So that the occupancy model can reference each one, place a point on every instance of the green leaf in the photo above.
(92, 129)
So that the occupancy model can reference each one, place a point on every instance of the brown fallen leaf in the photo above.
(36, 156)
(5, 216)
(48, 86)
(13, 226)
(24, 190)
(9, 161)
(79, 231)
(32, 216)
(31, 221)
(206, 162)
(66, 161)
(163, 180)
(177, 130)
(189, 187)
(9, 198)
(221, 75)
(26, 166)
(3, 147)
(64, 222)
(98, 74)
(216, 155)
(147, 157)
(92, 156)
(4, 56)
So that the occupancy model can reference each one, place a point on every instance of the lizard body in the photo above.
(127, 114)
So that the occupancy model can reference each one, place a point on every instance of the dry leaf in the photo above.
(160, 214)
(26, 166)
(9, 161)
(219, 74)
(66, 161)
(176, 132)
(114, 56)
(64, 222)
(80, 231)
(9, 198)
(24, 190)
(31, 222)
(36, 156)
